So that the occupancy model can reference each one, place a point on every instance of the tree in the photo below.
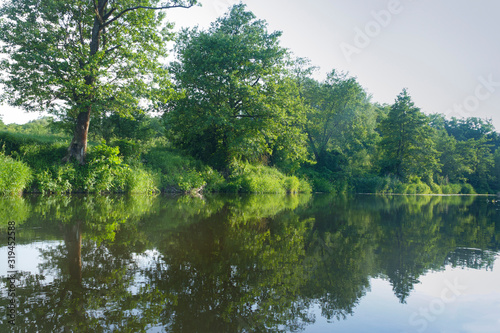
(340, 120)
(469, 128)
(407, 146)
(237, 101)
(79, 57)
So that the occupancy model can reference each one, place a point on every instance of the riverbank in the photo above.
(33, 164)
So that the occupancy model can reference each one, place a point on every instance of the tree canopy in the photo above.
(406, 141)
(237, 101)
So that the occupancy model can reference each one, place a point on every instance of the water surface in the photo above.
(264, 263)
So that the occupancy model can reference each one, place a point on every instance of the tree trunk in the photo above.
(78, 146)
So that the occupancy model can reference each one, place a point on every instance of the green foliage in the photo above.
(340, 122)
(60, 181)
(406, 144)
(130, 150)
(467, 189)
(292, 184)
(248, 178)
(388, 185)
(14, 175)
(136, 126)
(43, 129)
(105, 172)
(415, 185)
(237, 101)
(181, 173)
(324, 180)
(139, 180)
(80, 59)
(370, 184)
(451, 188)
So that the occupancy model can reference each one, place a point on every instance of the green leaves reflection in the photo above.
(235, 263)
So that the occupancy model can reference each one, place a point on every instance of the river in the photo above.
(256, 263)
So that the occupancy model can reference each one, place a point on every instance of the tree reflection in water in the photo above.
(233, 264)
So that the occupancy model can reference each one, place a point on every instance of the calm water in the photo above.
(264, 263)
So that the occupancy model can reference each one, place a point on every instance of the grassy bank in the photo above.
(33, 163)
(30, 163)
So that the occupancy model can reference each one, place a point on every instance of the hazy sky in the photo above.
(447, 52)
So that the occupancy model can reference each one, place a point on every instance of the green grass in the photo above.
(128, 167)
(248, 178)
(14, 175)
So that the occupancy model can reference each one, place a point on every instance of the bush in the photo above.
(451, 188)
(103, 172)
(130, 150)
(467, 189)
(435, 188)
(292, 184)
(139, 180)
(304, 186)
(392, 185)
(58, 182)
(181, 173)
(14, 175)
(319, 181)
(249, 178)
(372, 184)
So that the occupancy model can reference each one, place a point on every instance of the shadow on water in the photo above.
(231, 263)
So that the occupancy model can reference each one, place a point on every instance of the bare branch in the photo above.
(112, 49)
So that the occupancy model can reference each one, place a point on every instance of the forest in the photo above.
(233, 112)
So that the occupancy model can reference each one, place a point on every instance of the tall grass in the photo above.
(179, 173)
(15, 176)
(248, 178)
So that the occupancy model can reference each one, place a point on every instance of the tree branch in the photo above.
(120, 14)
(112, 49)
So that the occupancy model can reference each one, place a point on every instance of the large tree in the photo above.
(82, 57)
(238, 103)
(407, 146)
(340, 120)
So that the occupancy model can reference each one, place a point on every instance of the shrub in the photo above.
(451, 188)
(392, 185)
(319, 181)
(467, 189)
(181, 173)
(292, 184)
(129, 150)
(14, 175)
(104, 171)
(139, 180)
(435, 188)
(371, 184)
(187, 181)
(59, 181)
(249, 178)
(304, 186)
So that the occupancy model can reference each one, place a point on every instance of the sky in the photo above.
(446, 53)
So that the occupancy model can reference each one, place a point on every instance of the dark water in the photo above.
(264, 263)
